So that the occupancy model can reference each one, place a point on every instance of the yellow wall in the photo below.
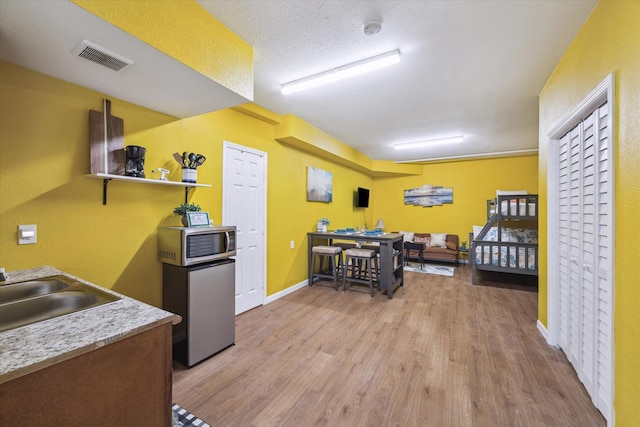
(473, 182)
(44, 134)
(608, 42)
(45, 155)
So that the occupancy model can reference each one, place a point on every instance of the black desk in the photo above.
(391, 273)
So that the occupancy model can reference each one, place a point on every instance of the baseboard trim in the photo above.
(542, 330)
(285, 292)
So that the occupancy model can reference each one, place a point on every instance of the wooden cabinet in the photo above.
(127, 382)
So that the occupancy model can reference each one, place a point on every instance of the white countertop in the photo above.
(29, 348)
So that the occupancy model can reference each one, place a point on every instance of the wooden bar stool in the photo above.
(330, 253)
(376, 271)
(357, 260)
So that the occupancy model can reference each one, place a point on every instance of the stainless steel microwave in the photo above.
(195, 245)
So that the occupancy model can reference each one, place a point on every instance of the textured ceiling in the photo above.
(472, 68)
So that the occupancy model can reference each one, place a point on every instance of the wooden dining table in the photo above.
(391, 254)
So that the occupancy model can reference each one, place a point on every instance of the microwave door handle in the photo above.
(226, 241)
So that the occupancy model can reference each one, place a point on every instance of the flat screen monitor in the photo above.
(362, 198)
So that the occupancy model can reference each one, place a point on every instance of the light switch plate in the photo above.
(27, 234)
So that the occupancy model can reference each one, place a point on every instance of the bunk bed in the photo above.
(499, 245)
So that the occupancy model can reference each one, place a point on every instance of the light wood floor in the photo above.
(440, 353)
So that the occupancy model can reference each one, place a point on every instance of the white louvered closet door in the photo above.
(603, 262)
(567, 187)
(584, 262)
(588, 306)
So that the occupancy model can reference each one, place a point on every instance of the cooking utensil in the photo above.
(185, 159)
(200, 160)
(192, 160)
(178, 159)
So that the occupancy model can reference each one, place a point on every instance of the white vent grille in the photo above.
(98, 54)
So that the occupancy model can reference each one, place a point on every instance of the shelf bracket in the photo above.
(105, 183)
(186, 194)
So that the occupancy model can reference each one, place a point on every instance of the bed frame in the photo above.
(505, 208)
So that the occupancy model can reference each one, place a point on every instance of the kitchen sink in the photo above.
(37, 300)
(30, 289)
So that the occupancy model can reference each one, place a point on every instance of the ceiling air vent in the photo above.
(98, 54)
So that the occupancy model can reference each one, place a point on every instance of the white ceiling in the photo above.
(472, 68)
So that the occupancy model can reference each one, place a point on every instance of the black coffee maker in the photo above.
(135, 161)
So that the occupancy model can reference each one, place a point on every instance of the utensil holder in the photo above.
(189, 175)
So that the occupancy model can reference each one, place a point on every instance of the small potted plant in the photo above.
(463, 246)
(182, 210)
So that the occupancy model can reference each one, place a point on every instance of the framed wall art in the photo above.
(319, 185)
(428, 195)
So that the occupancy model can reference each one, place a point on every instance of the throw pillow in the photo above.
(408, 235)
(422, 239)
(439, 240)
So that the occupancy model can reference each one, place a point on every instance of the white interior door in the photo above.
(244, 205)
(582, 260)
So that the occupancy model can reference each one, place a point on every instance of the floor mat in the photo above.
(184, 418)
(441, 270)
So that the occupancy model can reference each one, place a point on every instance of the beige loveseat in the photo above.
(421, 247)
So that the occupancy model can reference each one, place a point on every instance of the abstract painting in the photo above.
(319, 185)
(428, 195)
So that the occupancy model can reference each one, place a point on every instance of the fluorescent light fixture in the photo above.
(342, 72)
(420, 144)
(493, 155)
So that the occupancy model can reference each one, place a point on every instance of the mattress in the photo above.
(504, 254)
(515, 207)
(512, 208)
(507, 256)
(515, 235)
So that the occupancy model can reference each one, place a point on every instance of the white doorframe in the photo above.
(225, 210)
(604, 92)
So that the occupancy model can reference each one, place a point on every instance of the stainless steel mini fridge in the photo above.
(204, 295)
